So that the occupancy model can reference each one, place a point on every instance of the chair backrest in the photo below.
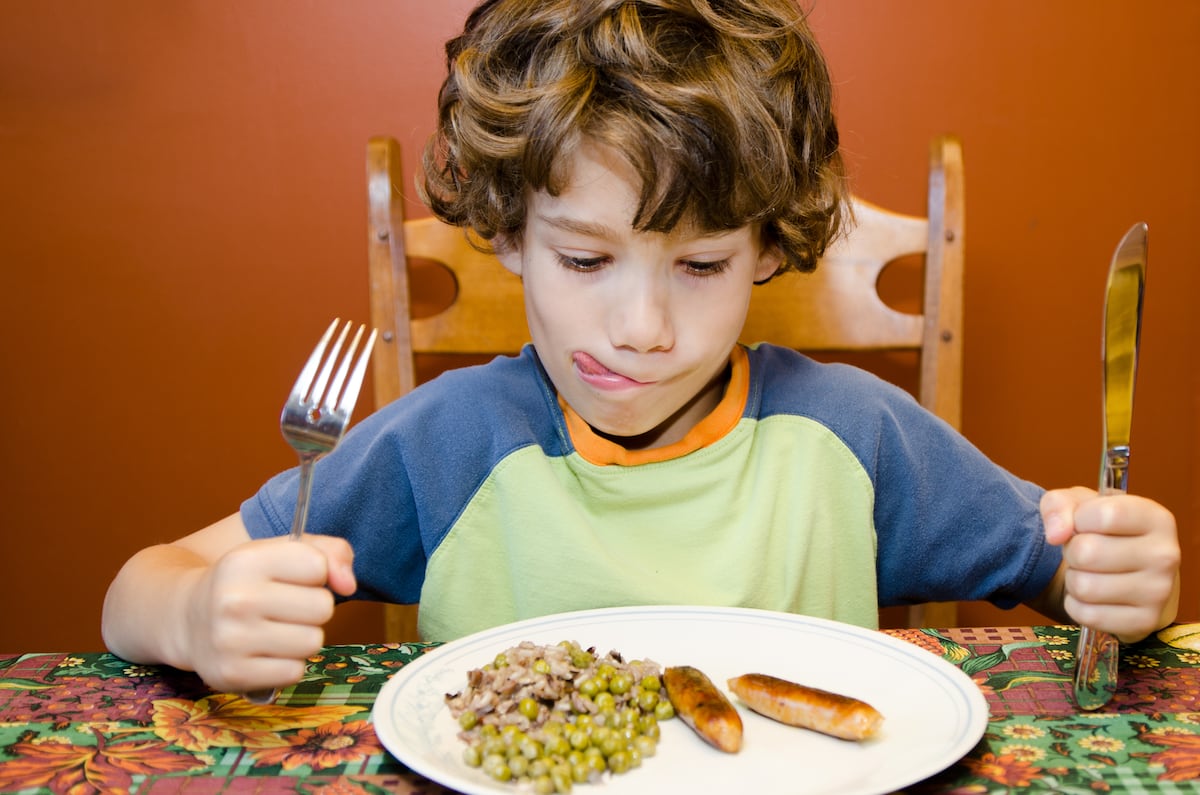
(837, 308)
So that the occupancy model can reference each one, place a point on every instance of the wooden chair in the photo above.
(837, 309)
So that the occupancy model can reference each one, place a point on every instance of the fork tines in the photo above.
(341, 393)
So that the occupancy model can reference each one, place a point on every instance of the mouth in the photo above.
(595, 374)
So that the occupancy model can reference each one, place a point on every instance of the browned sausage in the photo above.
(807, 707)
(703, 707)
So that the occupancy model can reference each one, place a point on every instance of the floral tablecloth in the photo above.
(90, 722)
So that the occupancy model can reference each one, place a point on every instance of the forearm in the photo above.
(145, 616)
(153, 612)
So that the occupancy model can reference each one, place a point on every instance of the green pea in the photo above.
(500, 660)
(473, 756)
(468, 720)
(529, 708)
(664, 710)
(647, 700)
(531, 748)
(651, 683)
(619, 684)
(612, 744)
(619, 762)
(561, 776)
(540, 666)
(493, 762)
(558, 746)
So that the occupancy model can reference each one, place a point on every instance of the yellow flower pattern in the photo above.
(229, 721)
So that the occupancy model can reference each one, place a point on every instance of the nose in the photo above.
(641, 318)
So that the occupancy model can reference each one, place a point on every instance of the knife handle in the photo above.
(1096, 661)
(1114, 470)
(1097, 654)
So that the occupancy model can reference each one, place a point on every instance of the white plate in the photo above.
(933, 713)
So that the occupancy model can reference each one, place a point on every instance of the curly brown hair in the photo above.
(723, 108)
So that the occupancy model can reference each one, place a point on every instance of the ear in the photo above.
(769, 261)
(508, 251)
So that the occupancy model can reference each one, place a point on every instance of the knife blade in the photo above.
(1098, 653)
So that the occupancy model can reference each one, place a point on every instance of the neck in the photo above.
(672, 429)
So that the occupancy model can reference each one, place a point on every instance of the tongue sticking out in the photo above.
(590, 366)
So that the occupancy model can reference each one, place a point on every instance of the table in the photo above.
(91, 722)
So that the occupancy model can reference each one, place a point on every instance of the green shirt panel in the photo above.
(718, 526)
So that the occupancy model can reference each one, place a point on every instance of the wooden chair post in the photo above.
(392, 359)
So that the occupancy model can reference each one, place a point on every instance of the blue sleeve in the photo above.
(950, 524)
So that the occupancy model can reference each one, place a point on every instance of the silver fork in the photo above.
(315, 417)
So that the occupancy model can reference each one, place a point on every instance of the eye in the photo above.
(581, 264)
(704, 268)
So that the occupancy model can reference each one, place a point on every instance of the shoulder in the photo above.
(791, 382)
(872, 417)
(507, 402)
(478, 391)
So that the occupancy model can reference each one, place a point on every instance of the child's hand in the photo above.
(258, 612)
(1120, 560)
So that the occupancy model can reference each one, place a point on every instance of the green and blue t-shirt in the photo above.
(812, 488)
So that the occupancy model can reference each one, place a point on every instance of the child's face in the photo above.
(634, 328)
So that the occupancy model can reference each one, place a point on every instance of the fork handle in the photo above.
(264, 696)
(304, 492)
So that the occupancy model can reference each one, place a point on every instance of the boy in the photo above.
(640, 165)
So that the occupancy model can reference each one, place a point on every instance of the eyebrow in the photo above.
(598, 230)
(578, 226)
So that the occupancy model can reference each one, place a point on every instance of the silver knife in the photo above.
(1098, 652)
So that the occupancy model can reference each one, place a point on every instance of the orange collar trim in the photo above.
(595, 449)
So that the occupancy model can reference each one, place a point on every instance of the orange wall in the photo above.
(182, 208)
